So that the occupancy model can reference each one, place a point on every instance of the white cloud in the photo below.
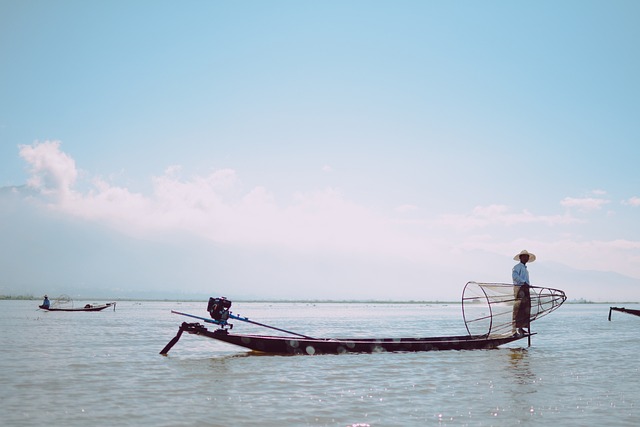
(53, 172)
(584, 203)
(173, 170)
(619, 255)
(215, 206)
(633, 201)
(407, 208)
(484, 216)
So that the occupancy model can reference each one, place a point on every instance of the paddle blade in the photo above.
(171, 343)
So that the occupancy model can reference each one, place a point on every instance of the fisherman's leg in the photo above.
(525, 308)
(516, 307)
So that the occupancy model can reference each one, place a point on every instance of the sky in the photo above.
(318, 150)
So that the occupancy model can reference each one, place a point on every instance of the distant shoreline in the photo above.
(285, 301)
(305, 301)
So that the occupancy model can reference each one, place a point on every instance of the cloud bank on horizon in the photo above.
(216, 207)
(354, 150)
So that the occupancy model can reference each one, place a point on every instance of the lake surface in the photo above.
(103, 369)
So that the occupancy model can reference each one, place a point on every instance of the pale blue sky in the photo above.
(347, 149)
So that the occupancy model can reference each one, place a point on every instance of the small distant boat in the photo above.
(488, 310)
(623, 310)
(88, 307)
(65, 303)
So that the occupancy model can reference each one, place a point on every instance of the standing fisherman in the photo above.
(522, 302)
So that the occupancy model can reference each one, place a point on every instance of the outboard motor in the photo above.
(218, 308)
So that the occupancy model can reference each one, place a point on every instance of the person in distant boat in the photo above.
(45, 303)
(522, 296)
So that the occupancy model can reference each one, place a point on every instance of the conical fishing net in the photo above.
(63, 301)
(500, 308)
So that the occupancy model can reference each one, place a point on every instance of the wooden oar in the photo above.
(244, 319)
(173, 342)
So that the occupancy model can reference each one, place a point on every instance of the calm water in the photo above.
(79, 369)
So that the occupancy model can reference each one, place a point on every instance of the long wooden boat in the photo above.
(87, 307)
(310, 346)
(623, 310)
(487, 306)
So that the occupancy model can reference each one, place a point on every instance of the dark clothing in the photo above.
(523, 308)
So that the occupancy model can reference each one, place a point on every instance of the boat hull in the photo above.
(624, 310)
(304, 346)
(90, 308)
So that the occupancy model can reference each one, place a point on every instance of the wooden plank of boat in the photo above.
(623, 310)
(87, 307)
(312, 346)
